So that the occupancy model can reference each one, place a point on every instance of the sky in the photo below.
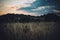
(29, 7)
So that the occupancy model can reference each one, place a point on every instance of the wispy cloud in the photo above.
(38, 10)
(32, 7)
(58, 11)
(39, 7)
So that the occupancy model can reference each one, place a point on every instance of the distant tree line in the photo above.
(28, 18)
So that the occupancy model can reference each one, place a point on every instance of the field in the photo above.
(30, 31)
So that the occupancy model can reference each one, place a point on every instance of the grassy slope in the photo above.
(29, 31)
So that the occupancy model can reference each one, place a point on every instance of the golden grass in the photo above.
(28, 31)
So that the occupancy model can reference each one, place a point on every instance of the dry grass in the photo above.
(28, 31)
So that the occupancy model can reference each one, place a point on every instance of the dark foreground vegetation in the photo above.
(30, 31)
(26, 27)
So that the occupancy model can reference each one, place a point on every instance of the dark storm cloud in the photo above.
(57, 4)
(41, 3)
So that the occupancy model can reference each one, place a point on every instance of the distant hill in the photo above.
(28, 18)
(51, 17)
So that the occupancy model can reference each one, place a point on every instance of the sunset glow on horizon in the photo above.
(9, 6)
(27, 7)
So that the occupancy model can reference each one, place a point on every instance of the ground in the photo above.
(30, 31)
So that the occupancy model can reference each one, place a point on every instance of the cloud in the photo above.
(13, 9)
(56, 11)
(39, 10)
(40, 7)
(15, 2)
(38, 3)
(36, 7)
